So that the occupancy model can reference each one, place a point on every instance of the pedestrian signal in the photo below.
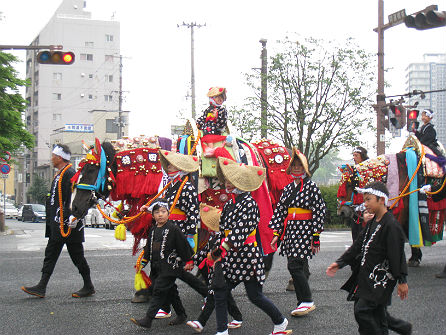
(397, 116)
(412, 123)
(55, 57)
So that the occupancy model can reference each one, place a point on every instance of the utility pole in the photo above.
(192, 76)
(120, 123)
(264, 92)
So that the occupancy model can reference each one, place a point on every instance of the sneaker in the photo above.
(234, 324)
(280, 328)
(303, 309)
(163, 315)
(195, 325)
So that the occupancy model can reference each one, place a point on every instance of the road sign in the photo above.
(5, 168)
(397, 17)
(6, 156)
(4, 176)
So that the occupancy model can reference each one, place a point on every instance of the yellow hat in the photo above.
(186, 163)
(210, 216)
(216, 91)
(244, 177)
(300, 156)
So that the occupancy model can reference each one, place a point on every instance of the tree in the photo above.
(319, 96)
(39, 190)
(12, 130)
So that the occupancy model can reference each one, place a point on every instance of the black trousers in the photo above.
(371, 317)
(300, 272)
(75, 250)
(255, 295)
(209, 307)
(397, 325)
(193, 282)
(164, 291)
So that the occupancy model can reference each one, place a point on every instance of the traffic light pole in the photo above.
(380, 98)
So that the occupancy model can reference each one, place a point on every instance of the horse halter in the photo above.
(100, 160)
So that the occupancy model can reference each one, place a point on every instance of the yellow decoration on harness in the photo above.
(140, 284)
(120, 232)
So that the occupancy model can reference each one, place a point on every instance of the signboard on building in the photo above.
(79, 128)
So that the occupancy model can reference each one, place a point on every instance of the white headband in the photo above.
(358, 151)
(159, 203)
(59, 152)
(374, 192)
(429, 113)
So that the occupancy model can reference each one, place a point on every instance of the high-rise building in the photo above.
(72, 103)
(430, 75)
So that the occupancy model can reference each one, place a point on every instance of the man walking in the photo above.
(59, 230)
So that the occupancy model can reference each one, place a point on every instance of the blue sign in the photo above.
(5, 168)
(79, 128)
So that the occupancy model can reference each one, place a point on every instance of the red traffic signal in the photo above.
(412, 123)
(426, 20)
(55, 57)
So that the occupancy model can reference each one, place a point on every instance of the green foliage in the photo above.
(12, 130)
(319, 96)
(329, 195)
(38, 190)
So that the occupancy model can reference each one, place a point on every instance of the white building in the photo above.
(71, 103)
(430, 75)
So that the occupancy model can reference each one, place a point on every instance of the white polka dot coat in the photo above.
(298, 235)
(188, 203)
(243, 262)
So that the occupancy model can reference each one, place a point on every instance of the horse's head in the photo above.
(93, 179)
(345, 192)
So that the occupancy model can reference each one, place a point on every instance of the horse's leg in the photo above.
(415, 258)
(442, 275)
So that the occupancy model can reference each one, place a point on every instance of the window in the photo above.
(57, 117)
(90, 97)
(57, 96)
(109, 58)
(57, 76)
(108, 78)
(108, 38)
(111, 126)
(88, 57)
(90, 76)
(108, 98)
(89, 44)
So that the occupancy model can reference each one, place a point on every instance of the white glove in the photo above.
(72, 222)
(425, 188)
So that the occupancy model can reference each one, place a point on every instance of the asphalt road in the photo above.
(108, 312)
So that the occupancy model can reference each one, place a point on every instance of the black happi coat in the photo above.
(299, 233)
(53, 211)
(188, 203)
(427, 134)
(174, 250)
(379, 253)
(215, 127)
(242, 262)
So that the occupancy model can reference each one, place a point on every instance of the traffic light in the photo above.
(397, 116)
(426, 20)
(412, 117)
(55, 57)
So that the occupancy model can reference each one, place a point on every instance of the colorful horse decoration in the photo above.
(139, 178)
(421, 214)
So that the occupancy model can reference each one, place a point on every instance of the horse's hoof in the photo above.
(413, 263)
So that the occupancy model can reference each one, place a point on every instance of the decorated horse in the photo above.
(139, 178)
(416, 184)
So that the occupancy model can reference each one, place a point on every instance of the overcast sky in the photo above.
(157, 70)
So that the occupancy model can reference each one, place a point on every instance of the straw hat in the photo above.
(216, 91)
(210, 216)
(300, 156)
(244, 177)
(186, 163)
